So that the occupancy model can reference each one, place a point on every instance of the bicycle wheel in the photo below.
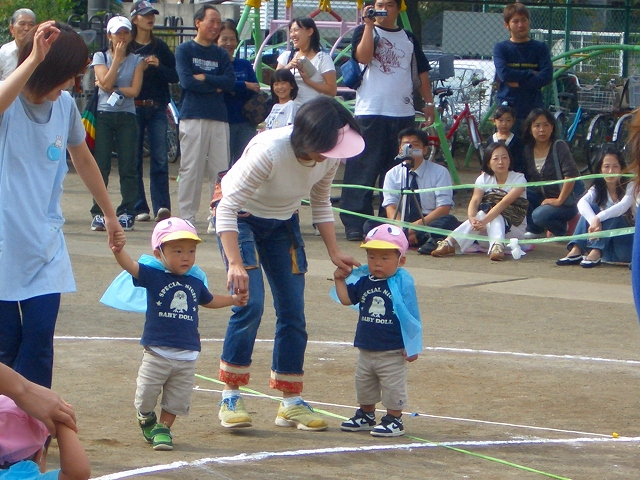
(562, 125)
(598, 134)
(621, 135)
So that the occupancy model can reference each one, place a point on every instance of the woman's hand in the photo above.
(294, 63)
(477, 225)
(46, 34)
(554, 202)
(113, 227)
(240, 299)
(254, 87)
(596, 225)
(152, 61)
(344, 261)
(120, 51)
(237, 280)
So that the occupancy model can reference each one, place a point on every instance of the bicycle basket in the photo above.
(596, 99)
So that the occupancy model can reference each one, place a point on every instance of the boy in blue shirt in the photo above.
(170, 337)
(389, 332)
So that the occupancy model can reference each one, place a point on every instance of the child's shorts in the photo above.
(174, 378)
(382, 376)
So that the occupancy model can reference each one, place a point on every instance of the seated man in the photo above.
(434, 206)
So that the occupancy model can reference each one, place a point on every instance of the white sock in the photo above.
(289, 401)
(230, 393)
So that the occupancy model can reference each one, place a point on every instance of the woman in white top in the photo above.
(257, 223)
(491, 219)
(610, 203)
(320, 78)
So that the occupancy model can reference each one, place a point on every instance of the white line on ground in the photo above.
(258, 456)
(435, 349)
(440, 417)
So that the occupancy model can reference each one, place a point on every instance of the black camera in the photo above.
(373, 13)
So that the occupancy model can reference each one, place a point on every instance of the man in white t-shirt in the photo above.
(384, 105)
(22, 21)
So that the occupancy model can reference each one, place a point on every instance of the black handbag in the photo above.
(257, 108)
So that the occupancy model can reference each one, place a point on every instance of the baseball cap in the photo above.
(22, 435)
(350, 144)
(173, 228)
(142, 8)
(118, 22)
(386, 237)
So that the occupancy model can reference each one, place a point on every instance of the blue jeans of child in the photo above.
(275, 247)
(547, 217)
(154, 120)
(614, 249)
(26, 342)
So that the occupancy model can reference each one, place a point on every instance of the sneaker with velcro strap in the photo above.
(146, 423)
(389, 426)
(162, 438)
(360, 422)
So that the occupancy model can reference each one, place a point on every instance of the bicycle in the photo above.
(451, 121)
(173, 143)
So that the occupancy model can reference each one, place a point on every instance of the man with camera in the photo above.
(384, 103)
(426, 208)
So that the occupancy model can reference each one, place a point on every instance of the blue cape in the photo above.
(124, 295)
(405, 305)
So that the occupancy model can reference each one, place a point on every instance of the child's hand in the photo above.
(340, 274)
(119, 241)
(410, 359)
(240, 299)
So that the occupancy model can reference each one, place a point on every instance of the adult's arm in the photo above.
(11, 87)
(362, 43)
(88, 171)
(133, 90)
(227, 76)
(329, 86)
(339, 259)
(568, 169)
(621, 207)
(39, 402)
(186, 74)
(584, 205)
(544, 74)
(167, 65)
(506, 73)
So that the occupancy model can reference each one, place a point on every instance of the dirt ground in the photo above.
(528, 371)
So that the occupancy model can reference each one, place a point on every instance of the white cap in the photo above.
(118, 22)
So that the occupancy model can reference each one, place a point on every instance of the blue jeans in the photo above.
(239, 136)
(614, 249)
(154, 120)
(26, 342)
(546, 217)
(275, 246)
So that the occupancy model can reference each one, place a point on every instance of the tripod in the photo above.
(407, 195)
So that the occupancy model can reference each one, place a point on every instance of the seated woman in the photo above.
(610, 203)
(497, 208)
(547, 159)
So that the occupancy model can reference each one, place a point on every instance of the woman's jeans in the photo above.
(546, 217)
(154, 120)
(26, 341)
(275, 246)
(614, 249)
(118, 131)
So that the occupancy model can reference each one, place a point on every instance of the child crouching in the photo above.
(388, 334)
(170, 337)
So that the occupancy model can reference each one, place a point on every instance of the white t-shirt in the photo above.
(387, 87)
(611, 209)
(8, 59)
(323, 64)
(488, 182)
(282, 114)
